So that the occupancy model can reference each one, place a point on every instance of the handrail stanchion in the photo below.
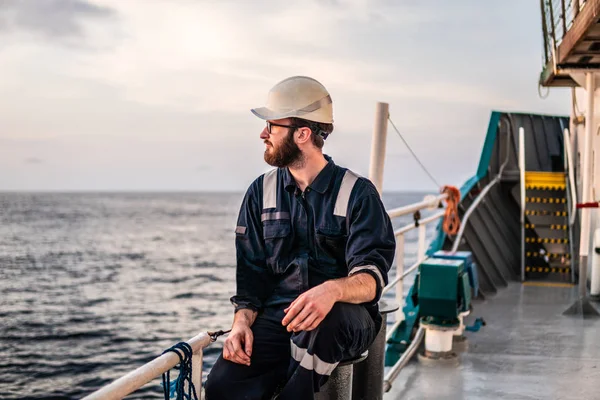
(422, 231)
(571, 172)
(522, 176)
(197, 372)
(378, 145)
(571, 196)
(399, 271)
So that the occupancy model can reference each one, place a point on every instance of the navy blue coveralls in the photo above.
(288, 242)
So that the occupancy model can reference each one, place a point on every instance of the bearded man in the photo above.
(314, 245)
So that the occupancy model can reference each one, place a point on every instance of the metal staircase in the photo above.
(548, 246)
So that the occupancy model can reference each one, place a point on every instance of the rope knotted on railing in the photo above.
(215, 335)
(177, 387)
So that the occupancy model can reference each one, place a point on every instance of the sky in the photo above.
(132, 95)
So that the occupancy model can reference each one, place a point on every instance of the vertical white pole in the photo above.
(378, 145)
(595, 262)
(197, 372)
(523, 188)
(572, 195)
(421, 253)
(399, 271)
(587, 166)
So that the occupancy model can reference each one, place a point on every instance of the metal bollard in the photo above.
(368, 375)
(339, 384)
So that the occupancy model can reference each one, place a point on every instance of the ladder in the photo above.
(547, 236)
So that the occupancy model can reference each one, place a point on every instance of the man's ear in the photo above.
(304, 134)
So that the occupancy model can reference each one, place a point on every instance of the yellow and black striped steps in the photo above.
(549, 226)
(547, 270)
(551, 256)
(547, 247)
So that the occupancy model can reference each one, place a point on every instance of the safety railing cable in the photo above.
(412, 152)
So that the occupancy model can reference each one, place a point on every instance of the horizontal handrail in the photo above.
(401, 277)
(136, 379)
(411, 208)
(424, 221)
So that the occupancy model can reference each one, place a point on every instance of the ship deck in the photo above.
(527, 350)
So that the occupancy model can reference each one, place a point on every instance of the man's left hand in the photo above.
(310, 308)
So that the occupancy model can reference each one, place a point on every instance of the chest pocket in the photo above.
(277, 238)
(331, 248)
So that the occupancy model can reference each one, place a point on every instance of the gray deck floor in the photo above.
(528, 350)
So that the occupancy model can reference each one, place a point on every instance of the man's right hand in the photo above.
(238, 345)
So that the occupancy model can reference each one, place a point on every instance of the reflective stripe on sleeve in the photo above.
(343, 197)
(370, 268)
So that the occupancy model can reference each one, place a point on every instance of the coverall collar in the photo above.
(321, 182)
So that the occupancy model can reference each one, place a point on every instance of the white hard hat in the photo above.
(300, 97)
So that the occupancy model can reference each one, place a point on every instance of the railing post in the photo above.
(399, 272)
(378, 145)
(552, 29)
(197, 372)
(421, 252)
(564, 18)
(522, 179)
(572, 195)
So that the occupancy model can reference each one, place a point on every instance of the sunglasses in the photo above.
(271, 124)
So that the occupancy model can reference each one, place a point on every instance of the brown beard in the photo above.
(288, 153)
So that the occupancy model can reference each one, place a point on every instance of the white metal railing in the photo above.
(146, 373)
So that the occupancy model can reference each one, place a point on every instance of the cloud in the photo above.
(223, 56)
(188, 71)
(51, 19)
(33, 160)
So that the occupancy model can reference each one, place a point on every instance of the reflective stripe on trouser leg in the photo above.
(345, 333)
(311, 362)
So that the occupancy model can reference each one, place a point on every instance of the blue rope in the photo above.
(479, 322)
(177, 387)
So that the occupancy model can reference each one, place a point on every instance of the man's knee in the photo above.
(344, 315)
(346, 326)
